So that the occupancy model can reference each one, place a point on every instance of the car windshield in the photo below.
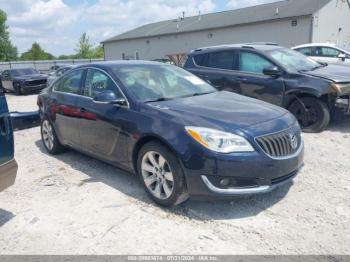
(346, 50)
(293, 60)
(25, 71)
(161, 82)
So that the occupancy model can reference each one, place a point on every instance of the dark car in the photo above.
(181, 135)
(313, 92)
(59, 72)
(23, 81)
(8, 166)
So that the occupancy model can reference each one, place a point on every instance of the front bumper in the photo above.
(33, 88)
(247, 174)
(343, 103)
(8, 173)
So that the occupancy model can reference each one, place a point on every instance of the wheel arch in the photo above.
(295, 95)
(147, 139)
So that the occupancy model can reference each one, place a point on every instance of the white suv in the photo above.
(326, 53)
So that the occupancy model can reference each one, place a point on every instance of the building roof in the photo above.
(259, 13)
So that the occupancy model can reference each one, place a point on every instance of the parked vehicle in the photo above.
(56, 67)
(8, 165)
(325, 53)
(182, 136)
(23, 81)
(313, 92)
(59, 72)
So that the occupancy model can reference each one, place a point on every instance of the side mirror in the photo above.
(108, 97)
(342, 56)
(272, 71)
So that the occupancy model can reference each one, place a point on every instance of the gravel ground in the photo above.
(72, 204)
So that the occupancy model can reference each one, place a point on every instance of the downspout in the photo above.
(311, 28)
(104, 51)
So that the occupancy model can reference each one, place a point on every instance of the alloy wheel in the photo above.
(48, 136)
(157, 175)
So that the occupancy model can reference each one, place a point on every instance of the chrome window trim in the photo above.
(80, 95)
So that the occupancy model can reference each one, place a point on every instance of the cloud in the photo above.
(234, 4)
(57, 25)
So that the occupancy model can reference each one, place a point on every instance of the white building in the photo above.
(288, 23)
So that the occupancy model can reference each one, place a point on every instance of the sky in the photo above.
(57, 24)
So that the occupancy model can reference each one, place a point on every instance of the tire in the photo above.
(313, 114)
(163, 180)
(49, 138)
(18, 90)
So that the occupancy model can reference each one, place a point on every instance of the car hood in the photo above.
(221, 110)
(335, 73)
(30, 77)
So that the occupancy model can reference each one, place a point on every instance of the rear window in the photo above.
(305, 50)
(200, 59)
(221, 60)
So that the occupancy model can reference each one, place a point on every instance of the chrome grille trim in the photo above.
(279, 145)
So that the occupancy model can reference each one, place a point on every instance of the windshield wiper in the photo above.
(159, 99)
(314, 68)
(199, 94)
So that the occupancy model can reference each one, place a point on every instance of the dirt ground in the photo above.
(72, 204)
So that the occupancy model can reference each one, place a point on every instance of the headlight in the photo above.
(341, 88)
(219, 141)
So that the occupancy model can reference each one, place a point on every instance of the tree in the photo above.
(84, 48)
(36, 53)
(98, 52)
(8, 52)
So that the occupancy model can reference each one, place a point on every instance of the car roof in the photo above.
(315, 44)
(120, 63)
(255, 46)
(23, 68)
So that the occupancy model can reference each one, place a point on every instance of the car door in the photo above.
(63, 103)
(102, 126)
(6, 80)
(328, 55)
(254, 83)
(216, 68)
(6, 134)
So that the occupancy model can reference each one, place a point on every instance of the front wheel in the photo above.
(312, 114)
(161, 175)
(49, 138)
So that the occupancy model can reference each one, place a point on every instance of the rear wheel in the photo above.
(49, 138)
(161, 175)
(313, 114)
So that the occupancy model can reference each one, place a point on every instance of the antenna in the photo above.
(183, 15)
(199, 15)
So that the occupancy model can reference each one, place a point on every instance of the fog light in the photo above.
(225, 182)
(342, 101)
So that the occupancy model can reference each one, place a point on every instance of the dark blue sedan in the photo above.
(178, 133)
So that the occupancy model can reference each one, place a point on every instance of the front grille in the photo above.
(281, 144)
(36, 82)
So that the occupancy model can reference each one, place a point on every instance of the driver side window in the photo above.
(253, 63)
(327, 52)
(5, 75)
(97, 82)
